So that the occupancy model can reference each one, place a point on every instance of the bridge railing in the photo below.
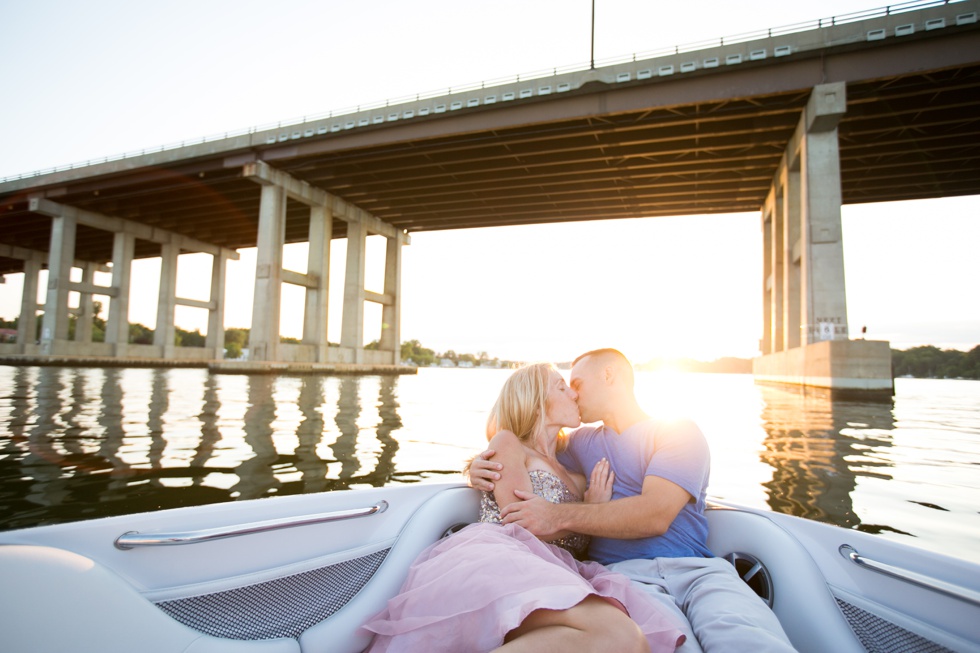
(795, 28)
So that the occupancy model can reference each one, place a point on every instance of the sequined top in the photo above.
(550, 488)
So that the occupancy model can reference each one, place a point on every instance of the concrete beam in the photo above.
(301, 191)
(25, 254)
(300, 279)
(386, 299)
(296, 189)
(92, 289)
(196, 303)
(121, 225)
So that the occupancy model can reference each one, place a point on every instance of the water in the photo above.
(78, 443)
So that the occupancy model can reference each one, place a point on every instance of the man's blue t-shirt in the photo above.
(675, 451)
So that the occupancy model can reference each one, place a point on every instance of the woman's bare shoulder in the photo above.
(506, 443)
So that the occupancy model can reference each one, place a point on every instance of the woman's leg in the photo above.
(592, 625)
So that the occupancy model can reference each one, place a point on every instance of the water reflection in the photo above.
(82, 443)
(818, 447)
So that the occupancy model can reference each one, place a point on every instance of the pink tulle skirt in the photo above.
(467, 591)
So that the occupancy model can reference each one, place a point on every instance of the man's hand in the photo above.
(600, 483)
(533, 513)
(482, 472)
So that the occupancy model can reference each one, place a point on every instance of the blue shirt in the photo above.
(675, 451)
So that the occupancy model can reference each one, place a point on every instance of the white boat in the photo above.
(301, 573)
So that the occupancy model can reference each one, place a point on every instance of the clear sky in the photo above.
(94, 79)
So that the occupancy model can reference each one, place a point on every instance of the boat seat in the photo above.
(340, 633)
(97, 610)
(801, 597)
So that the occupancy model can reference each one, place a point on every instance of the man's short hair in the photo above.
(617, 356)
(602, 352)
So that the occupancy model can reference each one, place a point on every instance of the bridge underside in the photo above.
(712, 141)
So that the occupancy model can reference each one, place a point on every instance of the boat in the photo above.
(301, 573)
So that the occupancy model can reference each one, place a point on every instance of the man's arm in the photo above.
(649, 514)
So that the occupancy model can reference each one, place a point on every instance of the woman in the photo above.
(494, 587)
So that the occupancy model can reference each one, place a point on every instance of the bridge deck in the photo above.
(706, 141)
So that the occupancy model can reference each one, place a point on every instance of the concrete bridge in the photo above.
(793, 122)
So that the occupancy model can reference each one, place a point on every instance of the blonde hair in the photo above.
(523, 403)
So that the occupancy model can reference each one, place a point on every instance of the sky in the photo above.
(100, 78)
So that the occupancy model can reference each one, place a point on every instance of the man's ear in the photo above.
(608, 374)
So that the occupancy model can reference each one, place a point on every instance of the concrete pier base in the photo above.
(859, 368)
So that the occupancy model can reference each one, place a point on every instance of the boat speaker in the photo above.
(751, 570)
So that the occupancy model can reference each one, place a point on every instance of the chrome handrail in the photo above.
(934, 584)
(132, 539)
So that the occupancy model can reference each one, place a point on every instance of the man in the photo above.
(653, 530)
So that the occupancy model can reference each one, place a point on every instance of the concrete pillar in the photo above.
(163, 335)
(318, 269)
(777, 255)
(61, 255)
(85, 314)
(391, 312)
(792, 248)
(825, 311)
(765, 343)
(117, 324)
(264, 335)
(805, 258)
(215, 340)
(27, 323)
(352, 330)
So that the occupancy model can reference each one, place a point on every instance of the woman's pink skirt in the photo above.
(467, 591)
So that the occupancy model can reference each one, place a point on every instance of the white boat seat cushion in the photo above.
(339, 633)
(96, 610)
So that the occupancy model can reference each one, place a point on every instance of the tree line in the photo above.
(933, 363)
(927, 362)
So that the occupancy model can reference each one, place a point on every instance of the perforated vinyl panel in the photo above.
(881, 636)
(283, 607)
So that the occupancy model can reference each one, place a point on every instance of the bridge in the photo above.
(868, 107)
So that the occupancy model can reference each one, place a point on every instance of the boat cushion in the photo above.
(341, 633)
(55, 600)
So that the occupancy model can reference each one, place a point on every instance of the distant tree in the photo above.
(140, 334)
(930, 362)
(189, 338)
(412, 350)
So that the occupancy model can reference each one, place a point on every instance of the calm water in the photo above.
(80, 443)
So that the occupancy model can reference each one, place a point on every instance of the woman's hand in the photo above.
(482, 472)
(600, 483)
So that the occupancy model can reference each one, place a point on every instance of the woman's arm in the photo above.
(513, 475)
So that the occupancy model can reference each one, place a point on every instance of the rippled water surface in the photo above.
(77, 443)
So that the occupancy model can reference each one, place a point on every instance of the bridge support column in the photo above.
(215, 340)
(27, 323)
(352, 329)
(54, 334)
(117, 323)
(391, 313)
(276, 187)
(54, 326)
(318, 292)
(263, 341)
(84, 315)
(805, 334)
(165, 331)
